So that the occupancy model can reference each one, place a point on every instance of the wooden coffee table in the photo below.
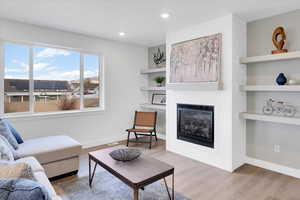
(137, 173)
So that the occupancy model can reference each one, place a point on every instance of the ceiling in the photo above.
(139, 19)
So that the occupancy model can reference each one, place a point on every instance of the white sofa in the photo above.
(50, 157)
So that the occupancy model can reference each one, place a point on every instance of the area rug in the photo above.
(107, 187)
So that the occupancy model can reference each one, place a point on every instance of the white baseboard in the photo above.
(95, 143)
(274, 167)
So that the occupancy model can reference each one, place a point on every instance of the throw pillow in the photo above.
(14, 132)
(16, 170)
(22, 189)
(14, 152)
(5, 151)
(5, 132)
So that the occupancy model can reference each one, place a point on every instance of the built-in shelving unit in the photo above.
(153, 88)
(271, 118)
(150, 73)
(154, 107)
(155, 70)
(271, 88)
(269, 58)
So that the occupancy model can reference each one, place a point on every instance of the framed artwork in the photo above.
(197, 60)
(159, 99)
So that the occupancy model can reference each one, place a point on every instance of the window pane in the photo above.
(16, 78)
(91, 81)
(56, 75)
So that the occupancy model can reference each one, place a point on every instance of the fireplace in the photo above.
(195, 124)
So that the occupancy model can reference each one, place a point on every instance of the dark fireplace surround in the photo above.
(195, 124)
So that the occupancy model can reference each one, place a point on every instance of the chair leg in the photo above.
(155, 136)
(128, 139)
(150, 140)
(136, 137)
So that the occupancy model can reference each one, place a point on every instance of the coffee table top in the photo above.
(137, 173)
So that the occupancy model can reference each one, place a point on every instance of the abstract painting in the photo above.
(197, 60)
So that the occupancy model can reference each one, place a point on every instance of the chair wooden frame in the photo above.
(143, 131)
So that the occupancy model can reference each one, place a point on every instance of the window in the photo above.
(43, 79)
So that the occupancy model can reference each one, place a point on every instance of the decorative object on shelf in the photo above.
(125, 155)
(160, 80)
(197, 60)
(279, 108)
(159, 99)
(292, 82)
(281, 79)
(278, 39)
(159, 57)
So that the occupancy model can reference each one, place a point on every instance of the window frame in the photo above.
(31, 113)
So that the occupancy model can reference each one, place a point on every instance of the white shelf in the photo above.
(278, 88)
(271, 118)
(153, 88)
(154, 70)
(154, 107)
(271, 57)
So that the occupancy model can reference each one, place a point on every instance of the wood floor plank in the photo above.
(200, 181)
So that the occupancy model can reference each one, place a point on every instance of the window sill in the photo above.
(47, 115)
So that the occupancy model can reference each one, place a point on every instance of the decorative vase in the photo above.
(281, 79)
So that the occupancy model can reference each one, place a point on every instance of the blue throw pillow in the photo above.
(22, 189)
(5, 132)
(14, 132)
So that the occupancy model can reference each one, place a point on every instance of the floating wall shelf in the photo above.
(154, 70)
(275, 88)
(153, 88)
(271, 118)
(272, 57)
(154, 107)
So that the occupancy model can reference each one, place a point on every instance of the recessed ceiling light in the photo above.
(121, 34)
(165, 15)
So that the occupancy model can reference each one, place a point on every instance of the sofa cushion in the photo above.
(5, 150)
(5, 132)
(49, 149)
(15, 133)
(34, 164)
(22, 189)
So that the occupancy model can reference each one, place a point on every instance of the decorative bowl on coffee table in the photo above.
(125, 154)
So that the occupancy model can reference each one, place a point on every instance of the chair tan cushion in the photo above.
(34, 164)
(140, 130)
(49, 149)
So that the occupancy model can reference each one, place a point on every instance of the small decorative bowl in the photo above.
(125, 155)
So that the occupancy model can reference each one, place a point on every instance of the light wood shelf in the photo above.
(153, 88)
(154, 107)
(275, 88)
(154, 70)
(271, 118)
(271, 57)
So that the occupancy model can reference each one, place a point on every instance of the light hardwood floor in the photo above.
(199, 181)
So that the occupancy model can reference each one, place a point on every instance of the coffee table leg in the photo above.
(173, 188)
(90, 171)
(91, 176)
(167, 188)
(135, 194)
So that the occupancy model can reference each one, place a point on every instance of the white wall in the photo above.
(122, 82)
(225, 116)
